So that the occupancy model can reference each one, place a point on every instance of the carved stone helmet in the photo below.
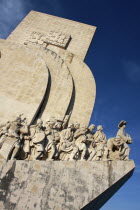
(122, 123)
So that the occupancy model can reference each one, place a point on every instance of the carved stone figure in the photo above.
(80, 141)
(90, 143)
(58, 140)
(52, 138)
(99, 136)
(76, 126)
(118, 146)
(58, 124)
(11, 137)
(67, 147)
(26, 149)
(37, 136)
(99, 150)
(90, 134)
(121, 132)
(126, 138)
(3, 132)
(114, 146)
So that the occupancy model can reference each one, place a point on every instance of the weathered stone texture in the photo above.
(24, 79)
(61, 87)
(58, 185)
(35, 21)
(84, 87)
(71, 85)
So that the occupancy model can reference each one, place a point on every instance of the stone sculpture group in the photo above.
(58, 140)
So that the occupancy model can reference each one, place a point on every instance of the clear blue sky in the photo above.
(114, 58)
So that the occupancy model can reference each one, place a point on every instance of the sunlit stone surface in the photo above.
(50, 158)
(61, 185)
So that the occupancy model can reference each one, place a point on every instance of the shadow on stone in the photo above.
(107, 194)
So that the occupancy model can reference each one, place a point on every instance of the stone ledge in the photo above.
(60, 184)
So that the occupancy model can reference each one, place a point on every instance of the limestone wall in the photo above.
(24, 79)
(60, 185)
(81, 34)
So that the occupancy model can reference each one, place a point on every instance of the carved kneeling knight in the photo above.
(118, 149)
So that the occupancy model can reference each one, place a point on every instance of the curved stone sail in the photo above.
(85, 89)
(83, 99)
(72, 84)
(61, 87)
(24, 79)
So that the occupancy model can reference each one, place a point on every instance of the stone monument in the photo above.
(50, 157)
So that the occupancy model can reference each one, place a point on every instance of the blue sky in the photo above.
(114, 57)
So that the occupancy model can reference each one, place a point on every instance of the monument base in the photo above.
(60, 185)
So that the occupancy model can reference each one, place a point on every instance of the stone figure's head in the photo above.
(76, 126)
(91, 127)
(58, 125)
(51, 124)
(122, 124)
(99, 128)
(129, 140)
(84, 128)
(117, 141)
(71, 125)
(39, 123)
